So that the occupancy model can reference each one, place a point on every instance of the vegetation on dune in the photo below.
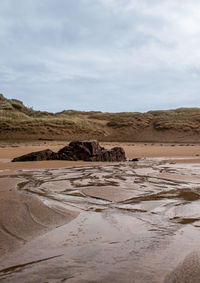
(182, 119)
(21, 122)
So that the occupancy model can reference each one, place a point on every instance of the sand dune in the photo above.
(20, 122)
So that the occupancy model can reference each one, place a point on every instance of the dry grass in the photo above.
(20, 122)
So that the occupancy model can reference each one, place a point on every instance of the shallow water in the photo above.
(137, 223)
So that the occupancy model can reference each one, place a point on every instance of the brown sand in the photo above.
(23, 217)
(133, 150)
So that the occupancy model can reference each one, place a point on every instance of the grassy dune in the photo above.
(20, 122)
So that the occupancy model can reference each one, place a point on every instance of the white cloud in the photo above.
(171, 31)
(114, 47)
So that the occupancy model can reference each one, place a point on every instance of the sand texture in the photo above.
(109, 193)
(24, 217)
(101, 222)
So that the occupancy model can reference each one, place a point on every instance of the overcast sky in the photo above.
(107, 55)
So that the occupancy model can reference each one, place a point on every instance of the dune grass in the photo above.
(17, 120)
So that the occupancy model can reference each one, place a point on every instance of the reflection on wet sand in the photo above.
(138, 222)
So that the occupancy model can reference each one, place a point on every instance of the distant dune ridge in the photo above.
(20, 122)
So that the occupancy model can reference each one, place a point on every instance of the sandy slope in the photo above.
(20, 122)
(23, 217)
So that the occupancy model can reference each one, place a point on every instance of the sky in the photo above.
(103, 55)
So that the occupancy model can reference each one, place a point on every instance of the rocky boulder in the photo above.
(113, 154)
(46, 154)
(80, 150)
(88, 150)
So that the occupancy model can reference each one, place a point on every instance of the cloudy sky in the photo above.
(107, 55)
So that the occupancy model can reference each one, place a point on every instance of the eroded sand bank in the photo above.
(137, 222)
(24, 217)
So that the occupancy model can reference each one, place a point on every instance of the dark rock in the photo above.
(46, 154)
(113, 154)
(80, 150)
(88, 150)
(134, 159)
(93, 147)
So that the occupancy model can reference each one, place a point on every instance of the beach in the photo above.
(9, 150)
(64, 221)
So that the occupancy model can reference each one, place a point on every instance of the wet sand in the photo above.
(24, 217)
(125, 222)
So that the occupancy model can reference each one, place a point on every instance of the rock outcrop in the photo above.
(46, 154)
(88, 150)
(113, 154)
(80, 150)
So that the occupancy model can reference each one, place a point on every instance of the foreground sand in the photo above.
(24, 217)
(125, 221)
